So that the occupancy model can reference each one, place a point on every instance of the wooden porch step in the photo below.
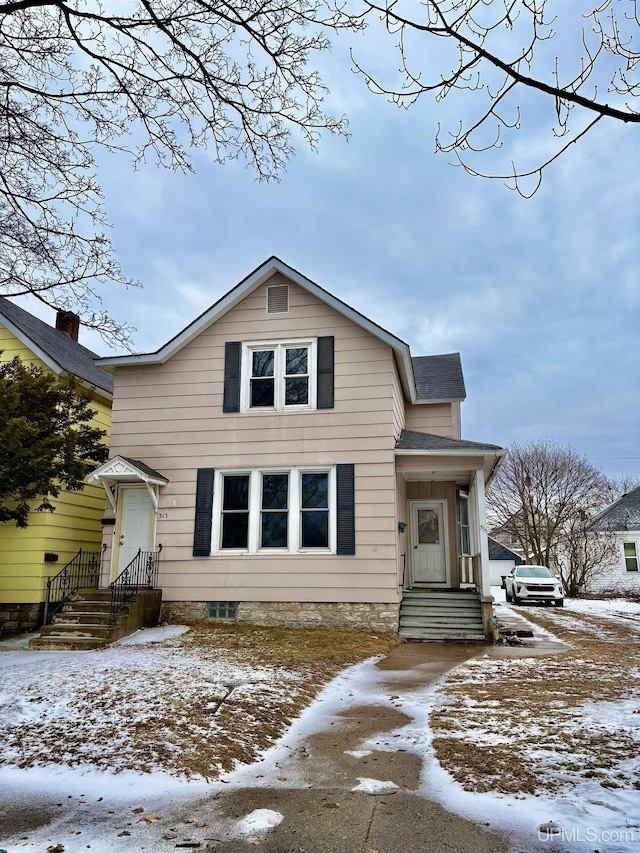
(443, 634)
(444, 608)
(444, 595)
(441, 615)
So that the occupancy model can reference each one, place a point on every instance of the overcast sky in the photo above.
(541, 297)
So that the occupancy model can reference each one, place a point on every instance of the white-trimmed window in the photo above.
(290, 510)
(277, 376)
(630, 550)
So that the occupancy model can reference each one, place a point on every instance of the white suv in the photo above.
(533, 583)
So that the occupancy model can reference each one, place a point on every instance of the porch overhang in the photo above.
(426, 456)
(120, 470)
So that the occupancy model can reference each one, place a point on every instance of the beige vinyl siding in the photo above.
(434, 418)
(170, 416)
(403, 538)
(398, 403)
(74, 524)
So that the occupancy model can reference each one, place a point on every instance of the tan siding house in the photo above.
(262, 448)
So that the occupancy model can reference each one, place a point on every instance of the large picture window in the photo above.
(261, 510)
(279, 376)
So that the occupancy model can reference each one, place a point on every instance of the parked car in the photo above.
(533, 583)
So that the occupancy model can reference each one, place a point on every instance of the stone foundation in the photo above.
(15, 618)
(295, 614)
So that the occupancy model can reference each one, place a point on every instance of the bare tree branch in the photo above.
(502, 53)
(75, 76)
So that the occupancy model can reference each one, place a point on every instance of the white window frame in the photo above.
(635, 556)
(294, 514)
(279, 347)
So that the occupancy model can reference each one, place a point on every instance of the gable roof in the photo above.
(437, 378)
(623, 514)
(58, 351)
(497, 551)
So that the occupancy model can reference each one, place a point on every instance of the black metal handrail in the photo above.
(83, 570)
(141, 573)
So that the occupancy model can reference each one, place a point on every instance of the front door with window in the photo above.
(136, 525)
(428, 542)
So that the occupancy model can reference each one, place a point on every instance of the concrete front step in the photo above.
(66, 644)
(85, 617)
(89, 601)
(56, 629)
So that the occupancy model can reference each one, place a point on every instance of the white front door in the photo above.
(428, 542)
(136, 525)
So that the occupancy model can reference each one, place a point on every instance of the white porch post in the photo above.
(481, 530)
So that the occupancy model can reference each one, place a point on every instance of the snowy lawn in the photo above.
(544, 725)
(192, 703)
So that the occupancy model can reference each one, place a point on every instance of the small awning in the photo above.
(120, 470)
(421, 455)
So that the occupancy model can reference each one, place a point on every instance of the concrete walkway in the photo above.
(322, 813)
(371, 725)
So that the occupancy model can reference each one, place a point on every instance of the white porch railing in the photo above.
(471, 571)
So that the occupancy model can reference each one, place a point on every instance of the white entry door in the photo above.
(136, 525)
(428, 542)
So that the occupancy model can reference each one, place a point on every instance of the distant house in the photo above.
(501, 561)
(622, 519)
(299, 467)
(503, 535)
(28, 556)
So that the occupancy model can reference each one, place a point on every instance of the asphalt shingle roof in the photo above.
(411, 440)
(141, 466)
(439, 377)
(71, 356)
(624, 514)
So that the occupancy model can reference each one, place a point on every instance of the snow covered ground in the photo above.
(125, 805)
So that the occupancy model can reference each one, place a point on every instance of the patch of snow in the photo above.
(374, 786)
(258, 822)
(153, 635)
(358, 753)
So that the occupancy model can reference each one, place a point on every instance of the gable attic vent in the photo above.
(278, 299)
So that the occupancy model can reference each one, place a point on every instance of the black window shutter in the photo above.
(232, 359)
(325, 372)
(346, 509)
(204, 508)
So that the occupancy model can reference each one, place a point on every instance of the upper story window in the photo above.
(294, 374)
(279, 376)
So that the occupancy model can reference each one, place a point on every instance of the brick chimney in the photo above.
(68, 323)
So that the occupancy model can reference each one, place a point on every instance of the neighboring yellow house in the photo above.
(76, 522)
